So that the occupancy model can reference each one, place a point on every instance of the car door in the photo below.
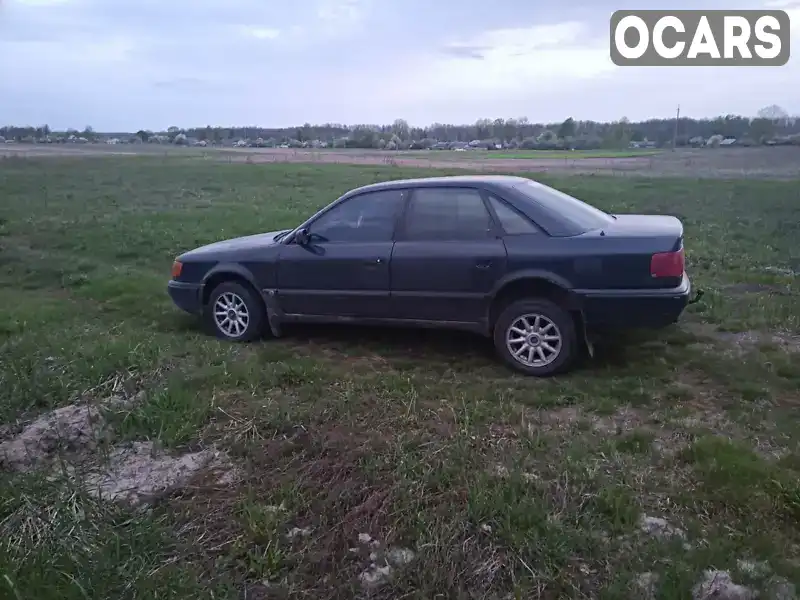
(447, 257)
(343, 271)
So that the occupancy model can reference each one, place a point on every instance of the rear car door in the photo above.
(447, 257)
(344, 269)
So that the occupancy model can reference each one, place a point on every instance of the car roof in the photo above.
(449, 181)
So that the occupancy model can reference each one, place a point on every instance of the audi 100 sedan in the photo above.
(531, 268)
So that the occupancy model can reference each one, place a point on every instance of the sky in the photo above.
(124, 65)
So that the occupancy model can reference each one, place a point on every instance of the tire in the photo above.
(251, 314)
(554, 322)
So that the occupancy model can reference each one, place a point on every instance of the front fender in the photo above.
(234, 268)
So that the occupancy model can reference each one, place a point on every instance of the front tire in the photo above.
(536, 337)
(235, 313)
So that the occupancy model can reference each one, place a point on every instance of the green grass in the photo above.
(501, 484)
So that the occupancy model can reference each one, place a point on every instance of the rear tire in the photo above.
(536, 337)
(235, 312)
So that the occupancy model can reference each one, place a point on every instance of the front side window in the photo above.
(445, 214)
(368, 217)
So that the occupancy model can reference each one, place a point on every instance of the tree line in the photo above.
(772, 123)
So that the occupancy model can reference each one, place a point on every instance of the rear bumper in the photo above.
(633, 309)
(186, 296)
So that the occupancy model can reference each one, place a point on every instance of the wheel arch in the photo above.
(539, 284)
(228, 272)
(533, 285)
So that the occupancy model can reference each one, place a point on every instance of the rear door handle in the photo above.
(483, 264)
(373, 262)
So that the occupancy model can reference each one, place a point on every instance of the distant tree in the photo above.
(567, 128)
(546, 136)
(761, 129)
(401, 129)
(773, 112)
(143, 135)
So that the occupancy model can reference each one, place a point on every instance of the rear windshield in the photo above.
(584, 216)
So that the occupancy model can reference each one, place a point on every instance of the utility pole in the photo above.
(675, 134)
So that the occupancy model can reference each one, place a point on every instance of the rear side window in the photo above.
(512, 222)
(581, 215)
(446, 214)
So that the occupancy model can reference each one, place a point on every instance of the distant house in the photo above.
(728, 142)
(642, 144)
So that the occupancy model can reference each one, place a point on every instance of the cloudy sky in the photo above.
(130, 64)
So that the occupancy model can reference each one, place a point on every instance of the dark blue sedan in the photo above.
(532, 268)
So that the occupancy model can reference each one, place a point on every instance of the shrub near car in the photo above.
(528, 266)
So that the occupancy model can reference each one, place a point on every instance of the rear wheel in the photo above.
(235, 312)
(536, 337)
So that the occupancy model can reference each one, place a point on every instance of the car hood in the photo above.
(248, 242)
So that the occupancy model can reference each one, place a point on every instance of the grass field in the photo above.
(503, 486)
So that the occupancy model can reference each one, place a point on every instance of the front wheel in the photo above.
(235, 312)
(536, 337)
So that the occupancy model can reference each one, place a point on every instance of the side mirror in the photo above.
(302, 237)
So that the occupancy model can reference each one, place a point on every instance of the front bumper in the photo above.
(633, 309)
(186, 296)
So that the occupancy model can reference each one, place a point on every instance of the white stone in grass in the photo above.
(660, 528)
(718, 585)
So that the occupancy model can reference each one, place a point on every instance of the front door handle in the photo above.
(483, 264)
(373, 262)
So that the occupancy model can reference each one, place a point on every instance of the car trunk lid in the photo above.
(642, 251)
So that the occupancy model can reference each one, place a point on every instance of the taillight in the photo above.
(668, 264)
(177, 266)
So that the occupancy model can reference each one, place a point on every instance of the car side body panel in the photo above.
(347, 280)
(445, 281)
(604, 273)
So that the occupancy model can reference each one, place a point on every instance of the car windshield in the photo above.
(584, 216)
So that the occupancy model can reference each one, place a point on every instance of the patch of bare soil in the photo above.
(75, 441)
(670, 433)
(746, 341)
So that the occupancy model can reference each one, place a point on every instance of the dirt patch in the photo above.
(746, 341)
(75, 441)
(758, 288)
(71, 430)
(623, 420)
(137, 472)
